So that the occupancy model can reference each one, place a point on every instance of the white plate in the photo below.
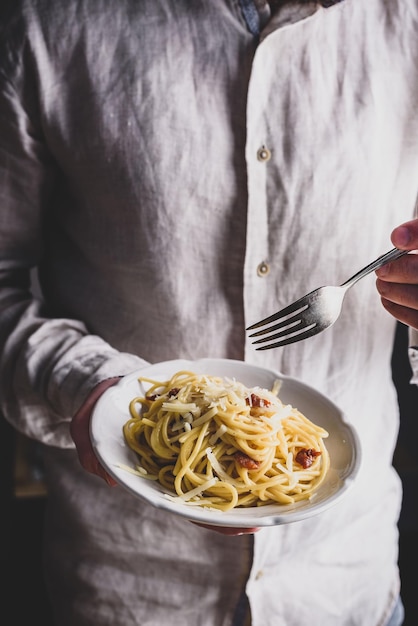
(112, 411)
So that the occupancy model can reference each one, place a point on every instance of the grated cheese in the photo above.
(218, 469)
(221, 430)
(197, 491)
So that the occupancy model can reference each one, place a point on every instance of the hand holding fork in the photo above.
(320, 308)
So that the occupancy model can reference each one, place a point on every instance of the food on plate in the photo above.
(213, 442)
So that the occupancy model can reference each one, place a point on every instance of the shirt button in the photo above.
(259, 574)
(263, 269)
(263, 154)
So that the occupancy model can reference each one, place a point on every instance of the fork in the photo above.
(314, 312)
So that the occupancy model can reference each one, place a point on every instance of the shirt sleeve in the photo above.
(413, 336)
(413, 354)
(47, 366)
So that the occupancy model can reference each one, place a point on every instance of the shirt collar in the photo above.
(257, 12)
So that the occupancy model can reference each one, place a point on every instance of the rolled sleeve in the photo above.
(413, 354)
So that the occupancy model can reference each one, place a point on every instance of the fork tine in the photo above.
(299, 328)
(292, 338)
(289, 322)
(296, 306)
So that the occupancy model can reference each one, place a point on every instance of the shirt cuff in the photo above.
(413, 354)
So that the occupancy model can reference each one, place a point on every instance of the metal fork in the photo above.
(313, 313)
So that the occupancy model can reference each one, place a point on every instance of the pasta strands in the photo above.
(215, 443)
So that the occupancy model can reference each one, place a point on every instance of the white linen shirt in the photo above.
(132, 177)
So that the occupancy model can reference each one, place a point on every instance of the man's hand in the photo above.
(231, 531)
(397, 282)
(80, 432)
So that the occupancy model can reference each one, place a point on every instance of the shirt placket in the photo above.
(258, 155)
(260, 270)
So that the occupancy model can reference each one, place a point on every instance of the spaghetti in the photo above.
(216, 443)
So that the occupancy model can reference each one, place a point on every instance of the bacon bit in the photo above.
(256, 401)
(245, 461)
(306, 457)
(173, 392)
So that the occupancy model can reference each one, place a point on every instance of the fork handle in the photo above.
(393, 254)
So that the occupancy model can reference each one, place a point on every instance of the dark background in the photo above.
(23, 499)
